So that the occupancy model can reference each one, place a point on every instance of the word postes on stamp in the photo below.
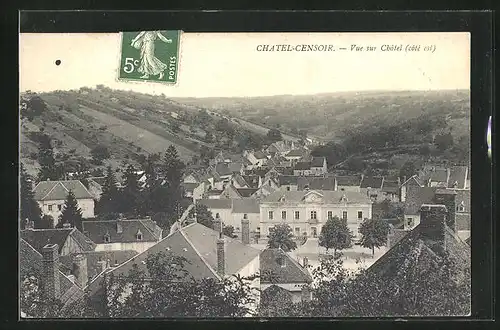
(151, 56)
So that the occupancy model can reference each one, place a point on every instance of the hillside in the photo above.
(328, 115)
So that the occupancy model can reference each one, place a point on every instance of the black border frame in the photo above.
(478, 23)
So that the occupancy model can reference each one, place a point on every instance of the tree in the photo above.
(229, 231)
(46, 223)
(48, 167)
(274, 135)
(71, 213)
(173, 170)
(203, 215)
(335, 235)
(131, 192)
(282, 237)
(32, 106)
(100, 153)
(407, 170)
(374, 233)
(29, 208)
(109, 203)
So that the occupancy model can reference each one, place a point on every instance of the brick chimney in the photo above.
(245, 231)
(432, 224)
(79, 269)
(221, 259)
(50, 287)
(447, 198)
(119, 227)
(217, 225)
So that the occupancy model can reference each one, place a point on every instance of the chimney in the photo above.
(50, 272)
(245, 231)
(80, 269)
(305, 262)
(447, 198)
(432, 224)
(221, 256)
(119, 228)
(217, 225)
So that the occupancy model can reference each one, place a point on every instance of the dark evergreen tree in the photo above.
(71, 213)
(109, 203)
(131, 192)
(173, 170)
(29, 209)
(48, 166)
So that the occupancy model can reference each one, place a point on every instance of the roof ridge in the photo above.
(49, 190)
(198, 253)
(296, 263)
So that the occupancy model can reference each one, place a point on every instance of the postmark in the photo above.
(151, 56)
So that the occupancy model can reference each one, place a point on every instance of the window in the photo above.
(139, 236)
(217, 215)
(59, 207)
(461, 207)
(245, 216)
(258, 229)
(344, 215)
(50, 207)
(314, 232)
(360, 215)
(107, 239)
(409, 222)
(281, 261)
(313, 215)
(283, 215)
(297, 215)
(297, 231)
(271, 215)
(288, 188)
(330, 215)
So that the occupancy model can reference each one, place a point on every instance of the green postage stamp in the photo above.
(151, 56)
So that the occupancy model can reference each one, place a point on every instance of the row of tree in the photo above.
(335, 235)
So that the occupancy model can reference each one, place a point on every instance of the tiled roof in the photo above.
(93, 257)
(397, 235)
(30, 264)
(38, 238)
(197, 244)
(222, 169)
(97, 230)
(316, 183)
(350, 180)
(58, 190)
(328, 197)
(317, 161)
(285, 180)
(372, 182)
(246, 192)
(458, 174)
(271, 261)
(246, 205)
(215, 203)
(416, 196)
(301, 166)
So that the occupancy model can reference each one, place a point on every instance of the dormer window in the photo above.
(281, 262)
(282, 199)
(217, 215)
(455, 184)
(138, 236)
(343, 198)
(461, 207)
(107, 238)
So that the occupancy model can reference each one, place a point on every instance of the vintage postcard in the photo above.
(217, 175)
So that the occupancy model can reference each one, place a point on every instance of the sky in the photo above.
(229, 65)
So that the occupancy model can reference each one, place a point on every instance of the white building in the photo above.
(307, 211)
(51, 196)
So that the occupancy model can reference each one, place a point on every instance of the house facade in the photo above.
(51, 195)
(307, 211)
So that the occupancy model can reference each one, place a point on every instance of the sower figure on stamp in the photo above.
(150, 64)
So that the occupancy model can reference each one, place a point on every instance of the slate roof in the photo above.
(38, 238)
(329, 197)
(215, 203)
(316, 183)
(274, 273)
(239, 179)
(197, 244)
(458, 174)
(246, 192)
(222, 169)
(349, 180)
(246, 205)
(390, 186)
(302, 166)
(235, 167)
(317, 161)
(99, 180)
(58, 190)
(30, 264)
(93, 257)
(285, 180)
(96, 230)
(251, 180)
(372, 182)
